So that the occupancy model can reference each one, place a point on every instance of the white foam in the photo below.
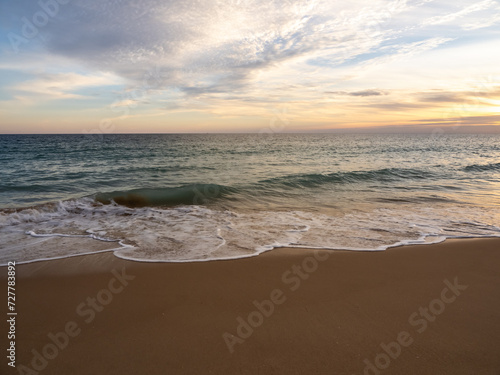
(194, 233)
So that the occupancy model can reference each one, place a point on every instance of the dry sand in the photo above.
(328, 316)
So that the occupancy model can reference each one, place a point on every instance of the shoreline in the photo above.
(401, 244)
(287, 310)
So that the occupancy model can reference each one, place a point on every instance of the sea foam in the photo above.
(198, 233)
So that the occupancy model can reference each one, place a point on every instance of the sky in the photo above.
(181, 66)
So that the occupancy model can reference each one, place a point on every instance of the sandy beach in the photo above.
(411, 310)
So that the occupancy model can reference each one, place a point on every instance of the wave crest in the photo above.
(380, 175)
(482, 167)
(195, 194)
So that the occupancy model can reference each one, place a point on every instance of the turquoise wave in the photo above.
(201, 193)
(195, 194)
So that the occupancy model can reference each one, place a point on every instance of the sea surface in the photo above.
(182, 198)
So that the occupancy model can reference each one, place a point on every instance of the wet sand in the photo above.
(411, 310)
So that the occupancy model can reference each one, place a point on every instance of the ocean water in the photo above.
(182, 198)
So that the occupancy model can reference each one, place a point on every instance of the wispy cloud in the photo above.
(240, 57)
(482, 5)
(362, 93)
(62, 85)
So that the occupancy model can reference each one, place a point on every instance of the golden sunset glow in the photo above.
(242, 66)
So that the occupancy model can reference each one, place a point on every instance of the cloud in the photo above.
(223, 45)
(466, 100)
(241, 57)
(484, 22)
(440, 97)
(367, 93)
(362, 93)
(215, 46)
(396, 106)
(493, 120)
(204, 45)
(62, 85)
(482, 5)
